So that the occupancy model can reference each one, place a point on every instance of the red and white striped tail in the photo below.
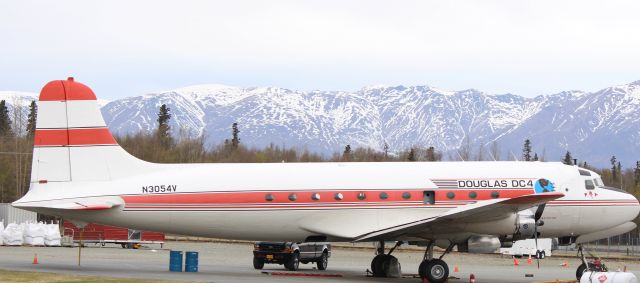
(72, 141)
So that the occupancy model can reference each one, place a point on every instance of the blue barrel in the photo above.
(191, 262)
(175, 261)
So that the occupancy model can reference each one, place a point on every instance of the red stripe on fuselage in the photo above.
(305, 197)
(71, 137)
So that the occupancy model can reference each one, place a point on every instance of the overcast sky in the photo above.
(125, 48)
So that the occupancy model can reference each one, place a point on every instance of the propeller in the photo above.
(537, 223)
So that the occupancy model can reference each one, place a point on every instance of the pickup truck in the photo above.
(291, 254)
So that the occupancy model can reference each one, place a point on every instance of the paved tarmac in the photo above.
(231, 262)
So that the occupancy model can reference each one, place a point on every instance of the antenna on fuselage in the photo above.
(460, 156)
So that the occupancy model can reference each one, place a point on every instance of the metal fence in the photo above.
(627, 244)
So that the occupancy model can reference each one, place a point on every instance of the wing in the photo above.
(481, 211)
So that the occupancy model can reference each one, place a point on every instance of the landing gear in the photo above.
(386, 265)
(596, 265)
(434, 270)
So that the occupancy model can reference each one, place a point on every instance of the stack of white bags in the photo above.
(34, 234)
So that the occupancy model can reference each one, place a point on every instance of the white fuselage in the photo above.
(293, 201)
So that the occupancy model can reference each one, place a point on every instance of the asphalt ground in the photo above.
(232, 262)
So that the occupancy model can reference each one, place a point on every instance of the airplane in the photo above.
(79, 172)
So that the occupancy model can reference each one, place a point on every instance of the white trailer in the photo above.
(528, 247)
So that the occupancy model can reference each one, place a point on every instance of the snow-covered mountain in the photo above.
(593, 126)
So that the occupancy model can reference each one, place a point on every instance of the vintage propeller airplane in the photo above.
(79, 172)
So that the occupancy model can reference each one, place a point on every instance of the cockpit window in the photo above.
(588, 184)
(584, 172)
(598, 182)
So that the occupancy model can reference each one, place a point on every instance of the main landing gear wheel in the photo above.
(540, 254)
(434, 270)
(377, 265)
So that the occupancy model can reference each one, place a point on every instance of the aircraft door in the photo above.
(429, 197)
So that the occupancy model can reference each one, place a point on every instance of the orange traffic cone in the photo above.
(515, 262)
(529, 260)
(472, 278)
(35, 259)
(455, 268)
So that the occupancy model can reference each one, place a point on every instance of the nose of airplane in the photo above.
(631, 203)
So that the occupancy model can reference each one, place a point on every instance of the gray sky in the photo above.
(125, 48)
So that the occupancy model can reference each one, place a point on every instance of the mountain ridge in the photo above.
(592, 125)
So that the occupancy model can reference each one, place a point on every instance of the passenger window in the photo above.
(315, 196)
(406, 195)
(362, 196)
(338, 196)
(588, 184)
(451, 195)
(293, 197)
(269, 197)
(384, 195)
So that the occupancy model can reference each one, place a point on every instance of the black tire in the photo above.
(541, 254)
(258, 263)
(294, 262)
(581, 269)
(437, 271)
(422, 268)
(376, 265)
(323, 261)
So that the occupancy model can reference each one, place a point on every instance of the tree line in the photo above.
(16, 143)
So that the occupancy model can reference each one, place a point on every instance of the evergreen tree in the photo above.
(535, 157)
(526, 150)
(614, 169)
(235, 140)
(567, 158)
(5, 121)
(31, 119)
(163, 134)
(636, 175)
(412, 155)
(432, 155)
(346, 155)
(386, 150)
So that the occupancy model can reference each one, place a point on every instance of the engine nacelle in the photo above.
(524, 227)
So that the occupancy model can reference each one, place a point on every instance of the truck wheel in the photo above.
(258, 263)
(323, 261)
(293, 262)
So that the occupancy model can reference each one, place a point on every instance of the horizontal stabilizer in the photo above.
(97, 203)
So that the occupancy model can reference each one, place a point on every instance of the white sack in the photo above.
(13, 235)
(34, 234)
(52, 236)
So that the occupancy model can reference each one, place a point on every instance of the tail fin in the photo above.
(72, 141)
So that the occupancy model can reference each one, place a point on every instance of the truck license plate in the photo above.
(269, 256)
